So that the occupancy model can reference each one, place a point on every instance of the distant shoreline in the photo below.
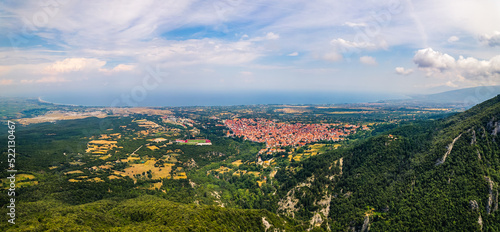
(47, 102)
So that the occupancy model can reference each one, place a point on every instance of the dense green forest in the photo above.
(399, 181)
(437, 174)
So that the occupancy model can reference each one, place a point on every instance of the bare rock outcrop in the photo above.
(494, 126)
(492, 203)
(473, 205)
(480, 222)
(366, 224)
(287, 205)
(316, 220)
(450, 147)
(266, 224)
(473, 140)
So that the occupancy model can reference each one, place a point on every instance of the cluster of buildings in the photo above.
(285, 134)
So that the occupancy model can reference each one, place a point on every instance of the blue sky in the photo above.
(394, 46)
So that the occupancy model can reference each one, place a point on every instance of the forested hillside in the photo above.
(433, 175)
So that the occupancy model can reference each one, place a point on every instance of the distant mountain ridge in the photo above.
(460, 98)
(467, 96)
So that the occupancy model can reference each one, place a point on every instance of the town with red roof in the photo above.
(278, 134)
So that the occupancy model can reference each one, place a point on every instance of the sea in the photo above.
(170, 99)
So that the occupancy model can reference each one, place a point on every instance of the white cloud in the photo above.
(293, 54)
(268, 36)
(332, 57)
(26, 81)
(403, 71)
(466, 69)
(118, 68)
(4, 70)
(272, 36)
(453, 39)
(123, 67)
(432, 60)
(74, 64)
(51, 79)
(368, 60)
(6, 81)
(246, 73)
(491, 40)
(351, 24)
(350, 44)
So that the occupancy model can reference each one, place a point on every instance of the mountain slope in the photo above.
(435, 175)
(145, 213)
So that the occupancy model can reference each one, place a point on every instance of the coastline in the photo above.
(53, 103)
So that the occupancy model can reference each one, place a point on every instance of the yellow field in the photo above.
(129, 159)
(256, 174)
(84, 178)
(100, 146)
(223, 169)
(155, 186)
(237, 163)
(102, 142)
(156, 172)
(239, 172)
(273, 173)
(314, 149)
(148, 124)
(107, 166)
(118, 173)
(28, 183)
(261, 182)
(77, 163)
(73, 172)
(152, 148)
(317, 146)
(104, 157)
(110, 136)
(180, 175)
(96, 179)
(22, 180)
(112, 177)
(21, 177)
(170, 158)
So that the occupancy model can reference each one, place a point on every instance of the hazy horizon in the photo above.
(218, 99)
